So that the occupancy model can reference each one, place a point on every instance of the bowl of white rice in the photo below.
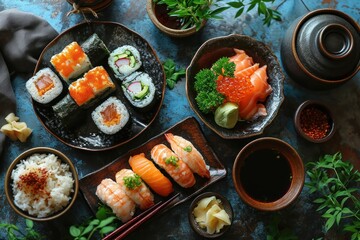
(41, 184)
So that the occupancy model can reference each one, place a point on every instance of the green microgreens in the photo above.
(172, 73)
(173, 160)
(188, 149)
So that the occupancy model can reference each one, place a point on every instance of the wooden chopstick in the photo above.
(135, 222)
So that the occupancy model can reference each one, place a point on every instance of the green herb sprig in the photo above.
(208, 98)
(195, 12)
(337, 182)
(172, 73)
(14, 233)
(105, 222)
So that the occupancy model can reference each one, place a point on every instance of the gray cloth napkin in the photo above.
(22, 38)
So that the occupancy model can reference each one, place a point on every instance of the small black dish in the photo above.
(202, 231)
(320, 125)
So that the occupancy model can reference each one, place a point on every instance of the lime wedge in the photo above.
(227, 115)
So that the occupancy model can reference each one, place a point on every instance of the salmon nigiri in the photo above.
(173, 165)
(151, 175)
(134, 187)
(111, 194)
(189, 154)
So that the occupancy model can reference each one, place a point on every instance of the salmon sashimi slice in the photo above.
(151, 175)
(189, 154)
(134, 187)
(111, 194)
(247, 72)
(249, 106)
(173, 165)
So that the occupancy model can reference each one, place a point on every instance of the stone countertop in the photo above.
(301, 217)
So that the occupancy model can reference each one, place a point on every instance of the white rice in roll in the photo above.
(110, 116)
(139, 89)
(44, 86)
(124, 60)
(42, 185)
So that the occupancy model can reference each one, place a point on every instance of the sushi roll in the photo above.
(71, 62)
(68, 111)
(95, 49)
(139, 89)
(95, 85)
(44, 86)
(110, 116)
(124, 61)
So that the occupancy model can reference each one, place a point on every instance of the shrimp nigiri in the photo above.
(133, 186)
(111, 194)
(173, 165)
(151, 175)
(189, 154)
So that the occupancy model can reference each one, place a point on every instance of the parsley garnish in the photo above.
(208, 98)
(172, 73)
(132, 182)
(188, 149)
(172, 160)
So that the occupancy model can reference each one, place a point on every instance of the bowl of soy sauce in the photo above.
(268, 174)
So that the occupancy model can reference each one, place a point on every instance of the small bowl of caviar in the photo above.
(314, 121)
(268, 174)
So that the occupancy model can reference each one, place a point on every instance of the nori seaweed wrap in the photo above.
(96, 49)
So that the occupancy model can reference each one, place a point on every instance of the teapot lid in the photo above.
(328, 44)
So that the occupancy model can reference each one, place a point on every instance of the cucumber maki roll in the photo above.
(139, 89)
(124, 61)
(71, 62)
(110, 116)
(95, 49)
(44, 86)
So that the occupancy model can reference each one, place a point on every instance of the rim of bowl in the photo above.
(281, 95)
(25, 154)
(150, 8)
(322, 106)
(296, 165)
(227, 207)
(293, 43)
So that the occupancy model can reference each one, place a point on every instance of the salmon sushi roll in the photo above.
(110, 116)
(99, 80)
(44, 86)
(71, 62)
(135, 188)
(173, 165)
(111, 194)
(151, 175)
(82, 93)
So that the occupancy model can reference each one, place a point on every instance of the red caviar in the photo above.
(314, 122)
(234, 89)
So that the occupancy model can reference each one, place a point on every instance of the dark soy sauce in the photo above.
(266, 175)
(161, 13)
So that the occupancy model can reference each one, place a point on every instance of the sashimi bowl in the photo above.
(235, 84)
(41, 184)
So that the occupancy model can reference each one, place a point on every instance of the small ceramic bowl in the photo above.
(215, 48)
(314, 122)
(321, 49)
(268, 174)
(202, 231)
(155, 12)
(95, 5)
(9, 182)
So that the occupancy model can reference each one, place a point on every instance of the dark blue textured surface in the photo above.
(248, 223)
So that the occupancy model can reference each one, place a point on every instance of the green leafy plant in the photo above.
(172, 73)
(104, 222)
(275, 232)
(195, 12)
(337, 183)
(14, 233)
(208, 98)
